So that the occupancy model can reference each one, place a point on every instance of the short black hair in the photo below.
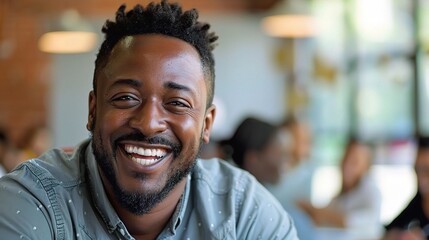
(161, 18)
(423, 142)
(251, 134)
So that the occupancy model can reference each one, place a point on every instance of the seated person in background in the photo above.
(138, 176)
(297, 178)
(8, 154)
(212, 149)
(416, 215)
(4, 146)
(260, 148)
(300, 132)
(257, 147)
(35, 142)
(358, 204)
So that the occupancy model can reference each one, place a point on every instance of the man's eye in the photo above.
(124, 98)
(179, 104)
(125, 101)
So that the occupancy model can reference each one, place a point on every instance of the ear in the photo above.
(91, 111)
(208, 123)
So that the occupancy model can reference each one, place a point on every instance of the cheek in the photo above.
(107, 122)
(187, 129)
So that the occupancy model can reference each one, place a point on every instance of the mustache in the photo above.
(137, 136)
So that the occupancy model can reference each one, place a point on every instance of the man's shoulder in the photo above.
(215, 166)
(220, 175)
(229, 194)
(41, 191)
(54, 165)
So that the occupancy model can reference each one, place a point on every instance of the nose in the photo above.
(148, 118)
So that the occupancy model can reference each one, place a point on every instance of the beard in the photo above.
(141, 202)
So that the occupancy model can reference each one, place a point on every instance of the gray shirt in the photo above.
(61, 196)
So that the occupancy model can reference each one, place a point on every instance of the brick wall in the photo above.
(24, 74)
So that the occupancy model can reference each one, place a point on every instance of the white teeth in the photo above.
(128, 148)
(139, 151)
(144, 162)
(152, 156)
(159, 153)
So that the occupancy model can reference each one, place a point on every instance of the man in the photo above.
(413, 221)
(138, 177)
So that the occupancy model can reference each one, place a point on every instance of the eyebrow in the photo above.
(131, 82)
(176, 86)
(136, 83)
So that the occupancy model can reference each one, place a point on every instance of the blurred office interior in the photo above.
(361, 67)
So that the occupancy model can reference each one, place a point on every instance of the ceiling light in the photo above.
(293, 26)
(70, 34)
(289, 19)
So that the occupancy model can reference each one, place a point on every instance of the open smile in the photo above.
(145, 156)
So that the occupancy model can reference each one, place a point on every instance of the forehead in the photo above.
(153, 57)
(147, 41)
(151, 49)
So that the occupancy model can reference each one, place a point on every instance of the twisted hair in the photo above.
(161, 18)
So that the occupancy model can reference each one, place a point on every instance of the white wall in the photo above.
(246, 83)
(72, 75)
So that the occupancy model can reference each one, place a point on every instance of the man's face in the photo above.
(301, 142)
(148, 118)
(273, 159)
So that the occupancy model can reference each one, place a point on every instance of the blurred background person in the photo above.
(8, 154)
(416, 215)
(4, 145)
(301, 144)
(213, 149)
(36, 141)
(295, 182)
(357, 206)
(259, 147)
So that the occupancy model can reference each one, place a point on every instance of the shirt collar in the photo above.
(177, 217)
(99, 197)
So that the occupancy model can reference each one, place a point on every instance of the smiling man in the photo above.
(139, 176)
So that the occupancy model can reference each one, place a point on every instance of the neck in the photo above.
(151, 224)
